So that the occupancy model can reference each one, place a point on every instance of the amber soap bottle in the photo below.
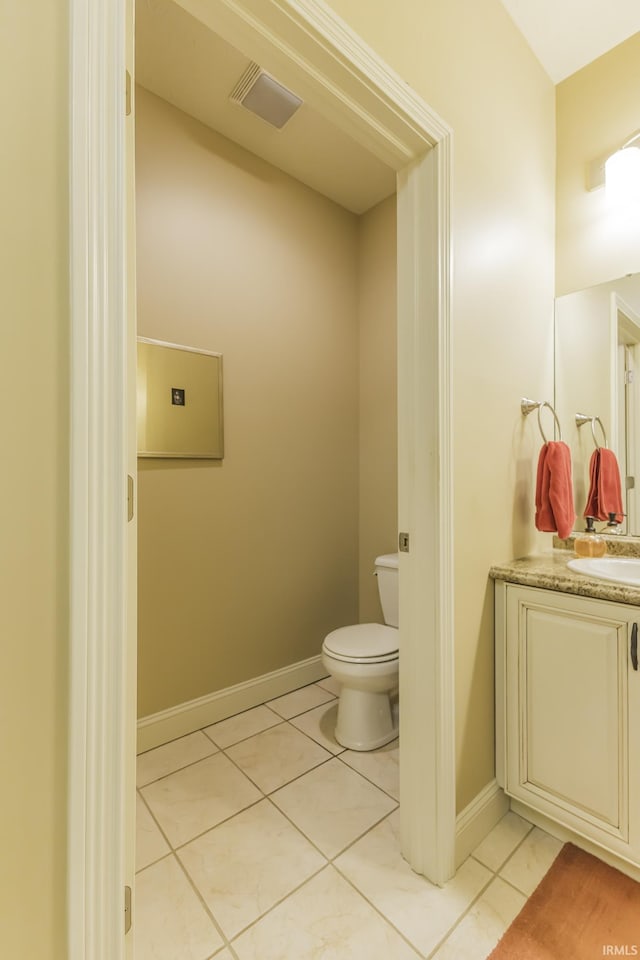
(590, 543)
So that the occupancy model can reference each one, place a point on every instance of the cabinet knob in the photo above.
(634, 646)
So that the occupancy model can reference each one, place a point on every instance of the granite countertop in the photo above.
(549, 571)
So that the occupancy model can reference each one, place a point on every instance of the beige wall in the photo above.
(34, 482)
(597, 110)
(245, 564)
(474, 68)
(378, 411)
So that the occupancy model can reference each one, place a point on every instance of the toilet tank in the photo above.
(387, 574)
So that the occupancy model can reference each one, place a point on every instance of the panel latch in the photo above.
(130, 498)
(127, 909)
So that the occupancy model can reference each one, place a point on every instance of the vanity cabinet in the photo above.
(568, 712)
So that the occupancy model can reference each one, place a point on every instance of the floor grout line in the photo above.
(470, 906)
(509, 883)
(278, 723)
(373, 905)
(191, 763)
(220, 823)
(161, 831)
(328, 861)
(365, 777)
(266, 913)
(287, 782)
(298, 829)
(205, 905)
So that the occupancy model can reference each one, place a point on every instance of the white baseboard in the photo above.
(478, 818)
(159, 728)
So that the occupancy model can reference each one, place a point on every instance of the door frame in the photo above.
(305, 41)
(624, 331)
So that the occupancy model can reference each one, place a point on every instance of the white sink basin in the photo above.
(619, 569)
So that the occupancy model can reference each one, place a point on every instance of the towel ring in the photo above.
(527, 406)
(582, 418)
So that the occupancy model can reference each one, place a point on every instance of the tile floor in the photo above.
(261, 838)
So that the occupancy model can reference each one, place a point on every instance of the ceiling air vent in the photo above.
(265, 97)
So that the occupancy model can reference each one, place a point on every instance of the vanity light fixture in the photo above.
(622, 172)
(618, 171)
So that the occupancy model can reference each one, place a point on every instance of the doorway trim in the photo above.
(99, 641)
(348, 82)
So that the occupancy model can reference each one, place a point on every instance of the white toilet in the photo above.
(364, 659)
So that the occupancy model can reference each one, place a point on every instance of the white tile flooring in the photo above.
(261, 838)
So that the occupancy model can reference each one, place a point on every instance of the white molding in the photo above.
(500, 661)
(614, 426)
(305, 43)
(478, 818)
(98, 638)
(427, 769)
(159, 728)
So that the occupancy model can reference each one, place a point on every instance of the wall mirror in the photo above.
(597, 374)
(179, 401)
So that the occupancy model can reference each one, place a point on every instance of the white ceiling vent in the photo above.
(265, 97)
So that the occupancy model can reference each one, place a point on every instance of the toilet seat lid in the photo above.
(363, 641)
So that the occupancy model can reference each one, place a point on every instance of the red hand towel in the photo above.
(605, 490)
(554, 490)
(544, 513)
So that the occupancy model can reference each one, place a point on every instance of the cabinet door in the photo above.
(568, 710)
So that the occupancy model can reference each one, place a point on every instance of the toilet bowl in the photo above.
(364, 659)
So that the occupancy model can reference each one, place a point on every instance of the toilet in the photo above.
(364, 659)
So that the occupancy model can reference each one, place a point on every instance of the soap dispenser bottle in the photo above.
(590, 543)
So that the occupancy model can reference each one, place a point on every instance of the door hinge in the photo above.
(127, 93)
(403, 542)
(130, 498)
(127, 909)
